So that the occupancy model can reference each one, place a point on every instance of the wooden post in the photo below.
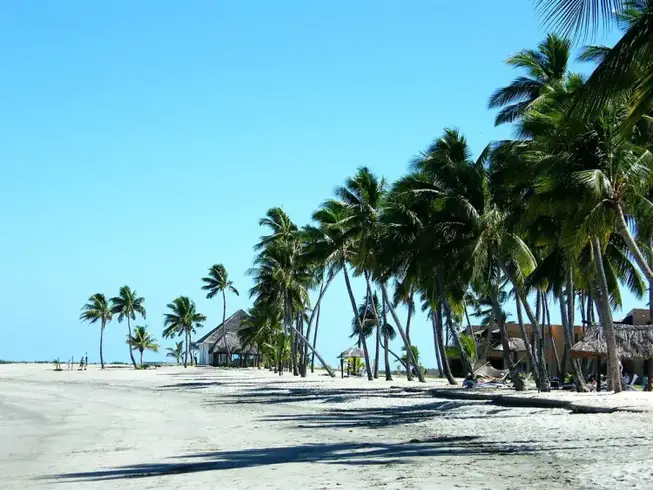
(598, 373)
(342, 368)
(649, 382)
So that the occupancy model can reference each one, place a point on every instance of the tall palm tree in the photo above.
(127, 305)
(182, 319)
(142, 340)
(362, 198)
(282, 276)
(97, 309)
(176, 352)
(216, 282)
(546, 67)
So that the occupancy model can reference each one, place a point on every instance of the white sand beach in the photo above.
(207, 428)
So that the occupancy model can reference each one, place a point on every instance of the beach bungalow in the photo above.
(222, 346)
(634, 348)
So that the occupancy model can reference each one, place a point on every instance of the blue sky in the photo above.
(140, 142)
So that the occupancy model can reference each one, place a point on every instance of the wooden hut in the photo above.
(352, 358)
(634, 343)
(222, 345)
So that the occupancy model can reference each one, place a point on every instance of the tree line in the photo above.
(561, 214)
(181, 320)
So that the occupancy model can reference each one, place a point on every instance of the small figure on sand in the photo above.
(470, 381)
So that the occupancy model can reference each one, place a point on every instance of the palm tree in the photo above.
(216, 282)
(578, 15)
(546, 68)
(282, 276)
(97, 309)
(182, 319)
(142, 340)
(177, 352)
(361, 198)
(126, 305)
(627, 67)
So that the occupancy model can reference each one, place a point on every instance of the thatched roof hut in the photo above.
(353, 352)
(215, 339)
(634, 342)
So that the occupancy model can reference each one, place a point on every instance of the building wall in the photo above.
(557, 334)
(204, 355)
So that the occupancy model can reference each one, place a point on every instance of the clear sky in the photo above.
(140, 142)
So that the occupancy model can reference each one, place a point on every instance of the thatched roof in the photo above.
(353, 352)
(516, 345)
(215, 339)
(633, 342)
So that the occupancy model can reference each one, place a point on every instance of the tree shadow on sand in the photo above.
(375, 418)
(347, 453)
(288, 394)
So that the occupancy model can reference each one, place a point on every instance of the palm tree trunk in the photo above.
(310, 324)
(293, 356)
(101, 341)
(317, 324)
(409, 351)
(386, 346)
(186, 348)
(378, 324)
(438, 358)
(224, 327)
(361, 336)
(505, 343)
(141, 351)
(410, 313)
(529, 348)
(554, 348)
(605, 316)
(470, 330)
(314, 351)
(622, 229)
(544, 378)
(650, 302)
(575, 364)
(465, 361)
(131, 354)
(436, 319)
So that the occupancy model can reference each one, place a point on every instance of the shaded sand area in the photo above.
(207, 428)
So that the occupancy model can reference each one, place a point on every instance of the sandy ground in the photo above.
(208, 428)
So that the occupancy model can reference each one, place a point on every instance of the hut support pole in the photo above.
(649, 382)
(342, 368)
(598, 373)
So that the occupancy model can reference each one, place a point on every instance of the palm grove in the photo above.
(561, 216)
(558, 217)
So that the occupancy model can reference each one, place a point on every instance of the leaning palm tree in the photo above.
(546, 67)
(97, 309)
(216, 282)
(142, 340)
(182, 319)
(177, 352)
(127, 305)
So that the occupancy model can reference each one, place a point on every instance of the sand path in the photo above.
(171, 428)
